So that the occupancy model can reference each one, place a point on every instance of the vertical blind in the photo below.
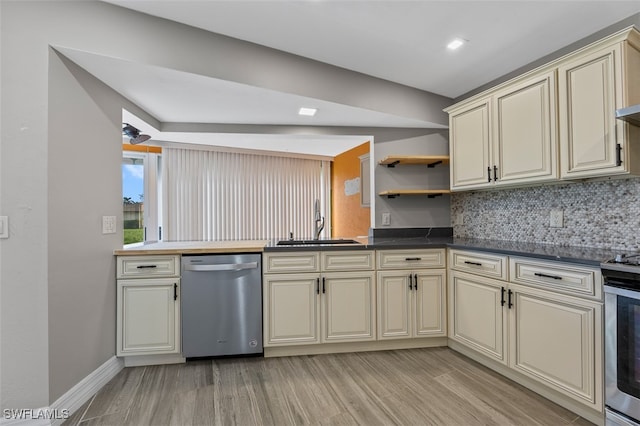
(209, 195)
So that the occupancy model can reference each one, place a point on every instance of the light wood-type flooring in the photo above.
(434, 386)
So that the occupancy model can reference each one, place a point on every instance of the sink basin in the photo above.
(314, 242)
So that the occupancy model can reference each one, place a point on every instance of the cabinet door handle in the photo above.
(472, 263)
(146, 266)
(495, 173)
(175, 291)
(318, 285)
(502, 290)
(412, 258)
(410, 282)
(618, 155)
(555, 277)
(415, 282)
(510, 304)
(323, 288)
(488, 174)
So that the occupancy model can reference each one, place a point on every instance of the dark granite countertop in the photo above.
(579, 255)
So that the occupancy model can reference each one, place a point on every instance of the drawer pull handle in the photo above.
(502, 290)
(410, 282)
(489, 174)
(175, 291)
(146, 266)
(510, 304)
(555, 277)
(412, 258)
(323, 288)
(472, 263)
(415, 281)
(318, 285)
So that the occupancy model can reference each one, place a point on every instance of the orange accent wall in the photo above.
(348, 219)
(141, 148)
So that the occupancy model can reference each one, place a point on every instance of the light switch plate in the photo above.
(4, 226)
(556, 219)
(108, 224)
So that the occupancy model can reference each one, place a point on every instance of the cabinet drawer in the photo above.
(291, 262)
(347, 260)
(487, 265)
(560, 277)
(411, 259)
(148, 266)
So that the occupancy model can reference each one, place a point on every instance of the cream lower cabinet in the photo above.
(477, 317)
(411, 293)
(545, 334)
(319, 307)
(411, 304)
(556, 340)
(148, 305)
(148, 320)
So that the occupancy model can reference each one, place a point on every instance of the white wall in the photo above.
(60, 144)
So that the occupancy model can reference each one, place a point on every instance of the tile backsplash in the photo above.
(604, 214)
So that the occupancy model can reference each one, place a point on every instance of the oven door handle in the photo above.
(631, 294)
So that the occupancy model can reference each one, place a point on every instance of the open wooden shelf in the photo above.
(430, 193)
(428, 160)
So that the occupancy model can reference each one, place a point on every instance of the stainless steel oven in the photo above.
(622, 340)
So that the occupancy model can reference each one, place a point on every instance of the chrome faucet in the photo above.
(319, 221)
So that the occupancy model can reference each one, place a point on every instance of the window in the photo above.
(140, 194)
(217, 196)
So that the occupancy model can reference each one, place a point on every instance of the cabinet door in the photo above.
(291, 314)
(348, 300)
(430, 303)
(394, 305)
(524, 138)
(477, 318)
(557, 340)
(589, 132)
(469, 146)
(148, 313)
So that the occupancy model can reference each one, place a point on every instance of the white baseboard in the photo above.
(75, 397)
(68, 403)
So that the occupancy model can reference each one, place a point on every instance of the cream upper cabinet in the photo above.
(591, 87)
(554, 123)
(524, 131)
(469, 145)
(507, 137)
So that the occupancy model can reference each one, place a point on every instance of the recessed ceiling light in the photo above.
(308, 111)
(455, 43)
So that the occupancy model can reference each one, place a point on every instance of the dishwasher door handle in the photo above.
(221, 267)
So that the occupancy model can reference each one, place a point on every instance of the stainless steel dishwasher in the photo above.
(221, 305)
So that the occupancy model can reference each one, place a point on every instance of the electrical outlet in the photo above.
(459, 219)
(108, 224)
(556, 219)
(386, 218)
(4, 227)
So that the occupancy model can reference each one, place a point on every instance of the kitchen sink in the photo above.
(314, 242)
